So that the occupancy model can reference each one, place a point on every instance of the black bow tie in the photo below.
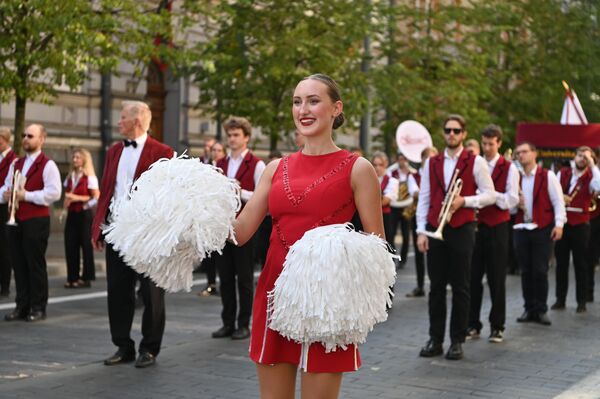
(130, 143)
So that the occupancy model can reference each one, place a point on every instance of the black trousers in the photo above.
(28, 241)
(121, 279)
(533, 248)
(236, 282)
(593, 254)
(209, 266)
(5, 261)
(513, 265)
(78, 241)
(419, 256)
(575, 240)
(489, 258)
(387, 228)
(449, 262)
(398, 219)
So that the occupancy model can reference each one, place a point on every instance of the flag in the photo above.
(572, 112)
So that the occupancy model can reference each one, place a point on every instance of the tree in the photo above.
(47, 43)
(258, 51)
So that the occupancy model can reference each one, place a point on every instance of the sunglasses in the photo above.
(28, 136)
(455, 130)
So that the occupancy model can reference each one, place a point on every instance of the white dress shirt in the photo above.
(391, 190)
(485, 187)
(554, 192)
(510, 198)
(50, 175)
(127, 166)
(413, 186)
(91, 185)
(594, 183)
(234, 165)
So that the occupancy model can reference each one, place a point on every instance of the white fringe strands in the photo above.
(177, 212)
(334, 287)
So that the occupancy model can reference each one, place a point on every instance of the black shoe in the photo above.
(431, 349)
(543, 319)
(120, 356)
(473, 333)
(36, 315)
(209, 290)
(16, 314)
(455, 351)
(241, 333)
(145, 359)
(223, 332)
(525, 317)
(558, 305)
(581, 308)
(496, 336)
(417, 292)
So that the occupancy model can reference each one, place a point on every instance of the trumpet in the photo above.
(446, 212)
(18, 184)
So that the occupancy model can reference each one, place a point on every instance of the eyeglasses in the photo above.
(455, 130)
(29, 136)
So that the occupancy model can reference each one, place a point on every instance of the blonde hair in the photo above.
(139, 110)
(5, 133)
(88, 165)
(381, 155)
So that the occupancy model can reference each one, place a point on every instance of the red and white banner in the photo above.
(572, 113)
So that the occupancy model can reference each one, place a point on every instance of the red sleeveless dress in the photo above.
(306, 192)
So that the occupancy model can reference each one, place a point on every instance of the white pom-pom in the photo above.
(334, 287)
(178, 211)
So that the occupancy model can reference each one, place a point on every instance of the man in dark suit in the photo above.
(236, 263)
(7, 156)
(125, 162)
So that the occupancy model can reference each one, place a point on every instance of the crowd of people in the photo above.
(467, 214)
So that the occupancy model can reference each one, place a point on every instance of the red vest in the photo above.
(543, 212)
(464, 165)
(5, 165)
(582, 199)
(35, 182)
(245, 174)
(384, 182)
(417, 177)
(492, 215)
(81, 188)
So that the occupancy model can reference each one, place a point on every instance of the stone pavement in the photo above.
(61, 356)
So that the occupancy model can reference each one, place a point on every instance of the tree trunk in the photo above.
(273, 139)
(21, 102)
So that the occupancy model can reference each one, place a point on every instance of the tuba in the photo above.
(412, 138)
(446, 212)
(18, 184)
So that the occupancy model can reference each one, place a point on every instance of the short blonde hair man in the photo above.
(139, 110)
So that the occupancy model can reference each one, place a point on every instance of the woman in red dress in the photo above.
(319, 185)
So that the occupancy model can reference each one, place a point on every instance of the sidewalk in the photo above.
(61, 357)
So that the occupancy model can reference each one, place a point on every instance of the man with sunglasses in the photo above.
(28, 240)
(449, 260)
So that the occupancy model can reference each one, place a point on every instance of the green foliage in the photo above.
(259, 50)
(495, 61)
(48, 43)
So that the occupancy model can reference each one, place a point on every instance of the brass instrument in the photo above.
(18, 184)
(409, 212)
(446, 212)
(569, 199)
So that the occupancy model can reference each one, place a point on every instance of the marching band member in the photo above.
(237, 262)
(593, 245)
(400, 171)
(539, 221)
(28, 239)
(491, 240)
(414, 181)
(449, 260)
(7, 156)
(81, 186)
(578, 185)
(125, 162)
(389, 191)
